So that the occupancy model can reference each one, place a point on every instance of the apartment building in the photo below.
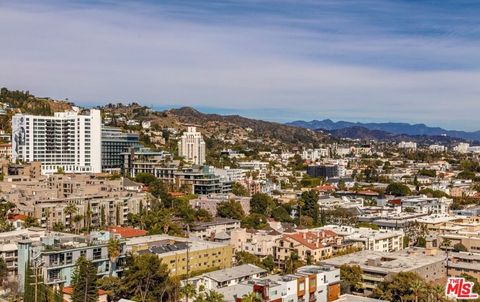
(260, 243)
(191, 146)
(308, 283)
(9, 246)
(184, 255)
(219, 229)
(463, 263)
(227, 277)
(428, 263)
(114, 143)
(426, 205)
(374, 240)
(67, 141)
(99, 200)
(309, 246)
(6, 151)
(210, 202)
(57, 253)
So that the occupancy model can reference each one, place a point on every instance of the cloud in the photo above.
(314, 61)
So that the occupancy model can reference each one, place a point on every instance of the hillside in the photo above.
(15, 101)
(363, 133)
(226, 125)
(394, 128)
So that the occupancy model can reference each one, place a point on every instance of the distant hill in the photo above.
(362, 133)
(224, 124)
(394, 128)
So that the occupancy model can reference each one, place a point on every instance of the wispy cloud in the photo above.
(357, 60)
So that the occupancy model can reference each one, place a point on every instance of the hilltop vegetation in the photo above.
(14, 101)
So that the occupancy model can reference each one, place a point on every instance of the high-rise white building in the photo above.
(192, 146)
(67, 141)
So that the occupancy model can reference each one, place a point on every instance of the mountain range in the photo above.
(393, 128)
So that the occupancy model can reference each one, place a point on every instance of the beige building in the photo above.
(184, 256)
(376, 266)
(309, 246)
(260, 243)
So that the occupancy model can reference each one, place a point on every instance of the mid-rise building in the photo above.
(114, 143)
(184, 256)
(325, 171)
(192, 146)
(428, 263)
(67, 141)
(56, 254)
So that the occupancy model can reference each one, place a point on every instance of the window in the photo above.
(97, 253)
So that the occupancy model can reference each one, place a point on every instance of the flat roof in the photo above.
(236, 272)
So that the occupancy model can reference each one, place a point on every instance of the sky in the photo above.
(358, 60)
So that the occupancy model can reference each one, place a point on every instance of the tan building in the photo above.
(180, 253)
(260, 243)
(311, 245)
(376, 266)
(6, 151)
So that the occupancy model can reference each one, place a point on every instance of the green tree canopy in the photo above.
(398, 189)
(261, 203)
(351, 276)
(230, 209)
(84, 281)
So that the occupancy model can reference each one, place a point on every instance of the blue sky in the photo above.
(358, 60)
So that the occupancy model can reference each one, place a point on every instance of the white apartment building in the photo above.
(260, 243)
(373, 240)
(437, 148)
(407, 145)
(462, 148)
(192, 146)
(315, 154)
(67, 141)
(426, 205)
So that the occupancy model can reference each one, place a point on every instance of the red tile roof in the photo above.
(14, 217)
(310, 239)
(126, 232)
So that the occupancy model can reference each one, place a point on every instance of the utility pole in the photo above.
(188, 260)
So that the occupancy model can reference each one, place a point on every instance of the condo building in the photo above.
(192, 146)
(67, 141)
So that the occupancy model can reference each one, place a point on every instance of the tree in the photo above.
(84, 281)
(351, 276)
(251, 297)
(310, 205)
(188, 290)
(254, 221)
(3, 270)
(145, 178)
(281, 214)
(114, 250)
(230, 209)
(421, 242)
(30, 222)
(268, 263)
(404, 286)
(69, 210)
(341, 185)
(146, 279)
(261, 203)
(239, 189)
(292, 263)
(398, 189)
(459, 247)
(76, 220)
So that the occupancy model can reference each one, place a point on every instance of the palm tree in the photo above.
(213, 296)
(251, 297)
(69, 210)
(77, 219)
(114, 249)
(188, 290)
(418, 287)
